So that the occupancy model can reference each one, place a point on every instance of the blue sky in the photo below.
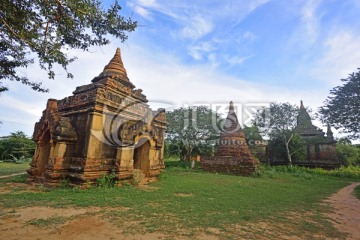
(212, 51)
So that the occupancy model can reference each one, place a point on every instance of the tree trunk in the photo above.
(192, 164)
(288, 150)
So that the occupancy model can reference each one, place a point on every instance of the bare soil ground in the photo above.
(346, 214)
(89, 223)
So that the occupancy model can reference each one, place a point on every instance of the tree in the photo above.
(279, 122)
(16, 146)
(341, 109)
(347, 153)
(255, 142)
(50, 30)
(192, 130)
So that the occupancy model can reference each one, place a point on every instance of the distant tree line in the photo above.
(16, 147)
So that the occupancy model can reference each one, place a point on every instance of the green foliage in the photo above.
(341, 108)
(252, 134)
(357, 192)
(107, 181)
(16, 148)
(191, 131)
(344, 141)
(279, 122)
(50, 30)
(351, 172)
(348, 154)
(255, 142)
(64, 183)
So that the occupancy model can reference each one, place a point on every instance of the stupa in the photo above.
(233, 154)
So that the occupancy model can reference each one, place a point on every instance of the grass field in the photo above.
(357, 192)
(12, 168)
(191, 199)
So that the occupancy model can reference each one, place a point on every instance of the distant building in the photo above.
(320, 149)
(104, 126)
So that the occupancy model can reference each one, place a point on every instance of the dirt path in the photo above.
(346, 214)
(12, 175)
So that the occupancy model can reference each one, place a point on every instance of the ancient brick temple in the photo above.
(104, 126)
(233, 154)
(320, 149)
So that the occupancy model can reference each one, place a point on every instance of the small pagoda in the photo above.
(105, 126)
(320, 149)
(233, 155)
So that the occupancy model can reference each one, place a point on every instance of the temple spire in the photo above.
(231, 107)
(329, 133)
(301, 105)
(115, 67)
(232, 123)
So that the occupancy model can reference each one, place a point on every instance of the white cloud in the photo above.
(236, 60)
(310, 18)
(307, 33)
(143, 7)
(196, 28)
(197, 51)
(249, 36)
(341, 56)
(148, 3)
(142, 11)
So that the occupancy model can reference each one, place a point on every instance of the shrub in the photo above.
(64, 183)
(348, 154)
(307, 173)
(357, 192)
(107, 181)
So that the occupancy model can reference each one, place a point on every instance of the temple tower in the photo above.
(105, 126)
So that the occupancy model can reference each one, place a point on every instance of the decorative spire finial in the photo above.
(116, 65)
(329, 133)
(231, 122)
(301, 104)
(231, 107)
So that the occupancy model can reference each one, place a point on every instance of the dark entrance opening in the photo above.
(44, 153)
(141, 156)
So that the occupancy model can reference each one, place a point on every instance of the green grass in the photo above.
(192, 199)
(48, 222)
(12, 168)
(357, 192)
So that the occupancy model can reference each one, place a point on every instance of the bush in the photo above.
(307, 173)
(107, 181)
(64, 183)
(348, 154)
(357, 192)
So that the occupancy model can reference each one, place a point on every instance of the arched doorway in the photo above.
(141, 156)
(44, 153)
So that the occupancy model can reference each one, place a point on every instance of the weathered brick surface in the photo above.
(233, 154)
(97, 130)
